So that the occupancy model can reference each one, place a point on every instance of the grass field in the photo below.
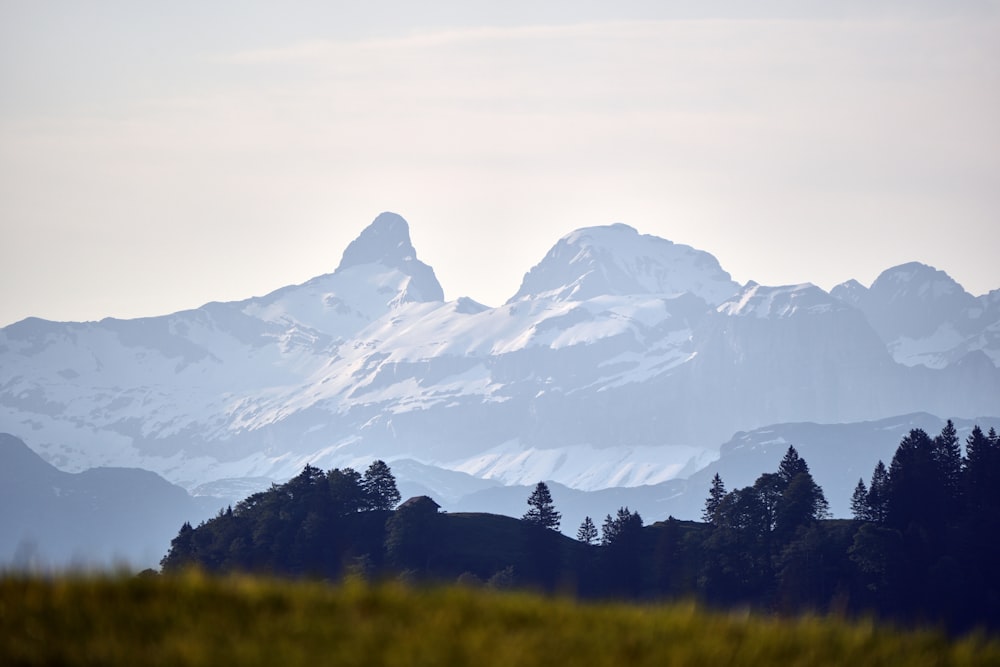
(195, 620)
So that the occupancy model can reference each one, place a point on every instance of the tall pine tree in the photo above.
(860, 507)
(791, 465)
(715, 495)
(587, 532)
(914, 483)
(878, 494)
(541, 510)
(948, 459)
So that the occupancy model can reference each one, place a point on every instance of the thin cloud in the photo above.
(776, 145)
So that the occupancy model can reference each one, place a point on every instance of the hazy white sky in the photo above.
(156, 156)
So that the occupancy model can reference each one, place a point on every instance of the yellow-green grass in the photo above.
(196, 620)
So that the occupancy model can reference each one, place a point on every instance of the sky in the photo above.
(158, 156)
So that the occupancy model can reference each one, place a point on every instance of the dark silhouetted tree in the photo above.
(859, 502)
(621, 541)
(947, 454)
(878, 494)
(736, 563)
(624, 524)
(541, 510)
(769, 488)
(913, 481)
(715, 495)
(587, 532)
(540, 524)
(182, 551)
(347, 495)
(981, 468)
(379, 486)
(791, 465)
(802, 503)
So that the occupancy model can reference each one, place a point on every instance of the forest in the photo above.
(920, 549)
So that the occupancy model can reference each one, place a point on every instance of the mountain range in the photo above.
(623, 360)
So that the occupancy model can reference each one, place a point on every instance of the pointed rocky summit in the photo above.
(386, 241)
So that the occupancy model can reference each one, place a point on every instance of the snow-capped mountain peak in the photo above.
(386, 242)
(617, 260)
(850, 292)
(915, 281)
(924, 316)
(379, 271)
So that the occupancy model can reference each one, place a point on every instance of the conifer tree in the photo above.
(624, 526)
(379, 487)
(914, 482)
(346, 490)
(860, 507)
(587, 532)
(948, 458)
(801, 498)
(791, 465)
(977, 454)
(715, 495)
(878, 494)
(608, 530)
(976, 446)
(541, 509)
(982, 470)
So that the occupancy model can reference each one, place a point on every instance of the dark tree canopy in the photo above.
(379, 486)
(801, 504)
(860, 507)
(878, 494)
(587, 532)
(948, 459)
(304, 526)
(791, 465)
(981, 480)
(623, 528)
(541, 510)
(346, 490)
(917, 483)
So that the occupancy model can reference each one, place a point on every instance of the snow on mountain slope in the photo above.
(777, 302)
(378, 271)
(166, 386)
(924, 317)
(583, 466)
(617, 260)
(850, 292)
(622, 360)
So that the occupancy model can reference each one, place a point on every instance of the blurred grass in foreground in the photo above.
(195, 620)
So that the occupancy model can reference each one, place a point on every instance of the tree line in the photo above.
(313, 524)
(922, 545)
(929, 543)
